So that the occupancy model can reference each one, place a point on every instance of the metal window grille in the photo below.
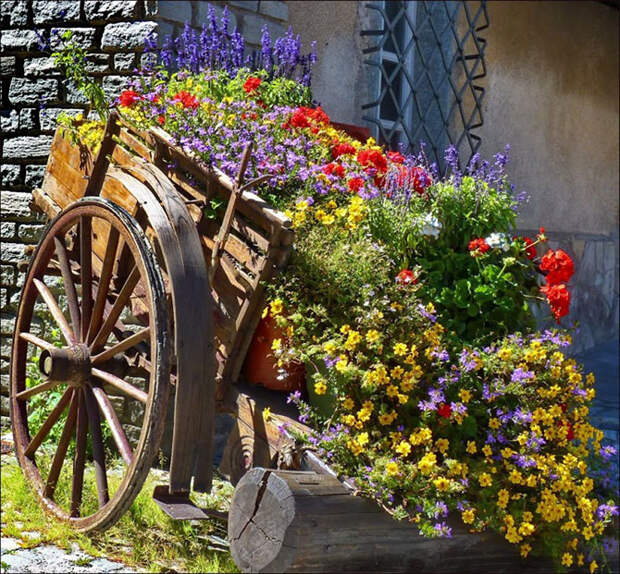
(428, 62)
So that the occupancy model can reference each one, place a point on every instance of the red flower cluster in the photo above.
(417, 176)
(307, 118)
(558, 298)
(334, 168)
(406, 277)
(251, 84)
(372, 158)
(128, 98)
(339, 149)
(478, 246)
(530, 248)
(558, 266)
(396, 157)
(187, 99)
(570, 431)
(355, 184)
(444, 411)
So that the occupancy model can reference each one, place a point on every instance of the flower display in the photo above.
(409, 299)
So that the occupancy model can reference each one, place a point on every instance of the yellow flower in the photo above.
(348, 420)
(320, 388)
(468, 515)
(276, 307)
(403, 448)
(465, 395)
(267, 413)
(579, 559)
(494, 423)
(364, 414)
(526, 528)
(392, 468)
(503, 496)
(373, 336)
(593, 566)
(341, 365)
(513, 536)
(352, 341)
(402, 399)
(330, 347)
(485, 479)
(525, 550)
(567, 559)
(471, 447)
(345, 329)
(427, 463)
(397, 373)
(400, 349)
(392, 391)
(441, 484)
(276, 344)
(385, 419)
(486, 449)
(442, 444)
(362, 438)
(348, 404)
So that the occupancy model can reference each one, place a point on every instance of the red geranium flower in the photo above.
(558, 298)
(558, 266)
(417, 177)
(372, 158)
(406, 277)
(530, 248)
(396, 157)
(478, 246)
(187, 99)
(128, 98)
(251, 84)
(333, 168)
(161, 120)
(339, 149)
(444, 411)
(355, 184)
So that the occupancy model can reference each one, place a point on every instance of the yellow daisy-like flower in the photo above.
(468, 515)
(348, 404)
(397, 373)
(373, 336)
(276, 344)
(400, 349)
(441, 484)
(486, 449)
(392, 468)
(353, 340)
(526, 528)
(427, 463)
(362, 438)
(345, 329)
(320, 388)
(593, 566)
(364, 414)
(276, 307)
(525, 550)
(567, 559)
(485, 479)
(392, 391)
(442, 444)
(267, 413)
(403, 448)
(494, 423)
(330, 347)
(503, 496)
(471, 447)
(385, 419)
(342, 364)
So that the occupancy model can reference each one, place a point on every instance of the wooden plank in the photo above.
(135, 144)
(74, 180)
(45, 203)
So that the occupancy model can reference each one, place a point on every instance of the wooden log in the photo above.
(296, 521)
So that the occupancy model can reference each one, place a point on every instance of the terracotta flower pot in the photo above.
(260, 367)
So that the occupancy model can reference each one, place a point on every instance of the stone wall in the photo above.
(34, 93)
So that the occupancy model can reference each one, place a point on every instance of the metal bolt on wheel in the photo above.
(105, 271)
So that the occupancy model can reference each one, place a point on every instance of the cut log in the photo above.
(299, 521)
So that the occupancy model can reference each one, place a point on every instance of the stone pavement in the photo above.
(48, 558)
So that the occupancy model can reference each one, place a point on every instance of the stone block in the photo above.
(7, 231)
(4, 298)
(49, 116)
(148, 60)
(7, 66)
(103, 11)
(48, 11)
(12, 252)
(28, 119)
(83, 37)
(11, 175)
(27, 147)
(176, 11)
(7, 275)
(34, 175)
(127, 35)
(6, 324)
(274, 9)
(124, 62)
(9, 121)
(114, 85)
(252, 29)
(4, 366)
(97, 63)
(150, 7)
(13, 13)
(18, 41)
(24, 92)
(203, 12)
(4, 406)
(30, 232)
(40, 67)
(16, 205)
(251, 5)
(72, 95)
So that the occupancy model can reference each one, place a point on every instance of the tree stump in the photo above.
(297, 521)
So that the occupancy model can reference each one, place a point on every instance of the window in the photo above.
(428, 60)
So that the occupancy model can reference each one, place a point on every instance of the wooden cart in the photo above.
(151, 295)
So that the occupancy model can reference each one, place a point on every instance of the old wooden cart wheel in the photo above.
(95, 274)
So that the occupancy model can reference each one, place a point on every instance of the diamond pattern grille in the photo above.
(429, 62)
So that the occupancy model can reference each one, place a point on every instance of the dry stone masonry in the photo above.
(33, 94)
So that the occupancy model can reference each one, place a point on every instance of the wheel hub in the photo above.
(70, 365)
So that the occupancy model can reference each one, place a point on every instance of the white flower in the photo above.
(498, 240)
(431, 226)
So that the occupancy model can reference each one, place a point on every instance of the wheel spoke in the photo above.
(120, 438)
(86, 272)
(104, 284)
(60, 319)
(49, 423)
(23, 395)
(36, 341)
(116, 309)
(98, 453)
(65, 269)
(80, 457)
(121, 385)
(61, 450)
(122, 346)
